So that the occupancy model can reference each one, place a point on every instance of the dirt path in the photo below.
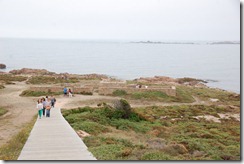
(20, 110)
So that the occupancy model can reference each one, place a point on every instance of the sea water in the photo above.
(219, 63)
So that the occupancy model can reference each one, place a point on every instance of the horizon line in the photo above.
(125, 40)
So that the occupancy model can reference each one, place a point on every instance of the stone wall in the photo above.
(47, 89)
(60, 89)
(83, 90)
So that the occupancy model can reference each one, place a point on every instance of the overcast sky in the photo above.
(156, 20)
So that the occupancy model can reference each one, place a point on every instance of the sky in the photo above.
(154, 20)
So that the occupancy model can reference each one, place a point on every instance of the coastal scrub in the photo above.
(158, 133)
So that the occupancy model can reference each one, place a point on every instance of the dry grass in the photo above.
(12, 149)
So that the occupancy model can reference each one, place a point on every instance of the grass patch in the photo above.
(206, 93)
(2, 111)
(181, 96)
(12, 149)
(50, 80)
(29, 93)
(2, 86)
(7, 78)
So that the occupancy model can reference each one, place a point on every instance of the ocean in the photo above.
(218, 63)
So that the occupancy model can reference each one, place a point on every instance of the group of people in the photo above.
(68, 92)
(44, 106)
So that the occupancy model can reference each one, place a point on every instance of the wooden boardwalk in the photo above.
(54, 139)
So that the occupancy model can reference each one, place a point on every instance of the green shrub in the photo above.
(2, 111)
(119, 92)
(123, 124)
(156, 156)
(90, 127)
(108, 152)
(38, 93)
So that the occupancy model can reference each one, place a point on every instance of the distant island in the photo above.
(182, 42)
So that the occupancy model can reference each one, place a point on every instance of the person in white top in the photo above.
(39, 107)
(70, 93)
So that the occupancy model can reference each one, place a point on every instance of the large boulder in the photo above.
(2, 66)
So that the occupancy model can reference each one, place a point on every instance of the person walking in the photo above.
(53, 101)
(44, 106)
(39, 107)
(48, 107)
(65, 91)
(70, 93)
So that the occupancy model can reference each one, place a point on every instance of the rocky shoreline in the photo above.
(150, 80)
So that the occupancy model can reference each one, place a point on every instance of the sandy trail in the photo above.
(20, 110)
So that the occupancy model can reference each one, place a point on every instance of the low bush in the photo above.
(184, 138)
(119, 93)
(157, 155)
(2, 111)
(29, 93)
(90, 127)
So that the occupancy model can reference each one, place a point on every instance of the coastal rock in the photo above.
(2, 66)
(156, 79)
(82, 134)
(30, 71)
(197, 153)
(213, 100)
(94, 76)
(190, 81)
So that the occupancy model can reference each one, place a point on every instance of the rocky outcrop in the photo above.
(82, 134)
(169, 80)
(189, 81)
(2, 66)
(94, 76)
(30, 71)
(156, 80)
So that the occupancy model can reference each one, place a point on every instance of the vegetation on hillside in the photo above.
(183, 96)
(157, 133)
(50, 80)
(29, 93)
(8, 78)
